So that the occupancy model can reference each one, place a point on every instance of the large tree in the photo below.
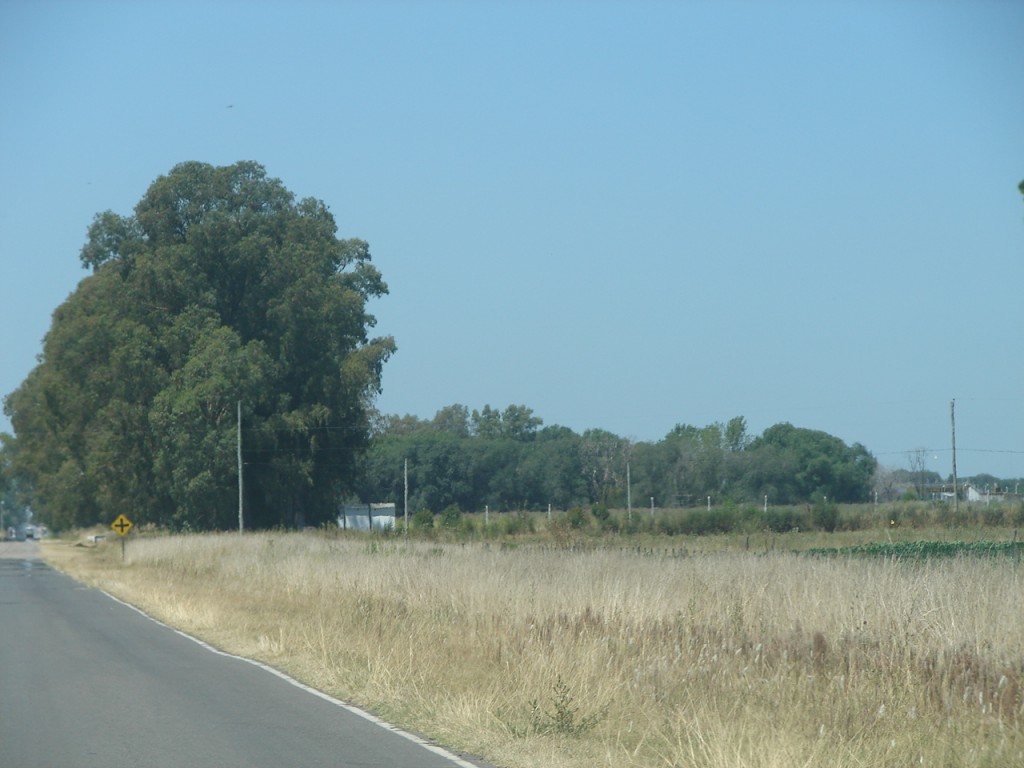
(219, 288)
(792, 464)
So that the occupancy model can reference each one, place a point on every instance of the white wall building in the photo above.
(367, 517)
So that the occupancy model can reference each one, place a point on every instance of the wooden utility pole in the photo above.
(952, 423)
(405, 501)
(629, 496)
(241, 525)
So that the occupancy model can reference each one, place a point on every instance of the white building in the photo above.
(367, 517)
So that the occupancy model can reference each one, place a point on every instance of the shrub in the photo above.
(610, 525)
(451, 516)
(520, 522)
(993, 515)
(669, 524)
(632, 526)
(698, 522)
(702, 522)
(563, 717)
(782, 520)
(577, 518)
(748, 519)
(855, 520)
(424, 519)
(826, 515)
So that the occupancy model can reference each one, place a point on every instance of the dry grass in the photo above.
(535, 657)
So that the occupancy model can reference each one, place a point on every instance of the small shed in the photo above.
(368, 517)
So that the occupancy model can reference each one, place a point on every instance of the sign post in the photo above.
(122, 525)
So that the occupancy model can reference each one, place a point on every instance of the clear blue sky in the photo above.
(624, 215)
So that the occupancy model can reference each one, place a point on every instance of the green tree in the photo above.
(487, 422)
(736, 434)
(798, 464)
(603, 459)
(440, 471)
(219, 288)
(453, 419)
(496, 459)
(196, 415)
(516, 422)
(12, 502)
(519, 423)
(695, 458)
(550, 470)
(652, 474)
(497, 479)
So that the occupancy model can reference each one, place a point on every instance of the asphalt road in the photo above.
(88, 681)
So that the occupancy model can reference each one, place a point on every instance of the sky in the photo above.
(622, 215)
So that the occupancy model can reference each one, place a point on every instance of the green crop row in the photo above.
(921, 550)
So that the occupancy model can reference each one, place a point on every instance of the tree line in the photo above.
(507, 460)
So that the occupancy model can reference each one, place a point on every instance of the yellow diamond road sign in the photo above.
(122, 525)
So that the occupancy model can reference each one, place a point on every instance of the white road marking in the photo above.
(455, 759)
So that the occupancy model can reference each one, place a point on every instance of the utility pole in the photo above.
(241, 524)
(629, 496)
(952, 423)
(405, 501)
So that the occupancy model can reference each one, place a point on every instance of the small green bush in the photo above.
(783, 520)
(451, 517)
(563, 718)
(423, 520)
(518, 523)
(826, 515)
(577, 518)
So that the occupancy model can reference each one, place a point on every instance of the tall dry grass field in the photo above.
(606, 658)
